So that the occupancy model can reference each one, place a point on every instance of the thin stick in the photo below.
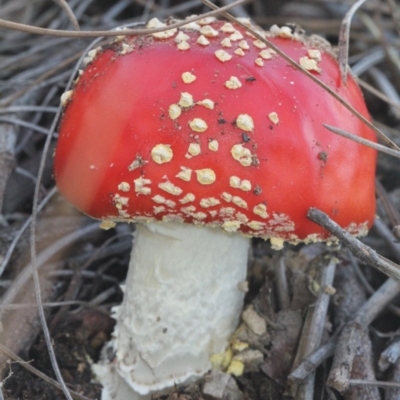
(363, 141)
(359, 249)
(314, 328)
(310, 363)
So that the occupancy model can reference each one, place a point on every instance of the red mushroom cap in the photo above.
(209, 126)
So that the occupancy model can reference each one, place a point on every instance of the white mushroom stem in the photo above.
(181, 304)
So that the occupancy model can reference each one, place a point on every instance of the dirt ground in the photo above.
(314, 300)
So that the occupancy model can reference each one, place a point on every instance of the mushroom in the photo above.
(205, 137)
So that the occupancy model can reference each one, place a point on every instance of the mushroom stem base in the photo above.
(181, 304)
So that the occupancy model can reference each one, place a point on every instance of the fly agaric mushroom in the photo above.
(206, 127)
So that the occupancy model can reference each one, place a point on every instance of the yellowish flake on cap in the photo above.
(239, 52)
(241, 154)
(124, 186)
(185, 174)
(259, 61)
(227, 197)
(241, 217)
(186, 100)
(181, 37)
(159, 199)
(208, 31)
(161, 153)
(273, 116)
(140, 186)
(213, 145)
(226, 43)
(222, 55)
(207, 103)
(174, 111)
(256, 225)
(209, 202)
(193, 150)
(265, 54)
(239, 202)
(309, 64)
(206, 20)
(198, 125)
(244, 45)
(126, 49)
(205, 176)
(283, 32)
(245, 122)
(259, 44)
(188, 210)
(233, 83)
(245, 185)
(66, 97)
(202, 40)
(235, 36)
(261, 210)
(107, 224)
(170, 188)
(159, 209)
(234, 181)
(231, 226)
(156, 23)
(188, 198)
(314, 54)
(183, 46)
(277, 243)
(192, 26)
(188, 77)
(226, 212)
(227, 27)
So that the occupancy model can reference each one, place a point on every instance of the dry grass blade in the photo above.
(344, 37)
(364, 142)
(71, 16)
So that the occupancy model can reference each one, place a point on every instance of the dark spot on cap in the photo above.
(322, 155)
(221, 121)
(245, 137)
(250, 79)
(257, 190)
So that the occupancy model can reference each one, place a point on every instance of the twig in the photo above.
(359, 382)
(359, 249)
(339, 377)
(310, 363)
(365, 142)
(313, 329)
(344, 36)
